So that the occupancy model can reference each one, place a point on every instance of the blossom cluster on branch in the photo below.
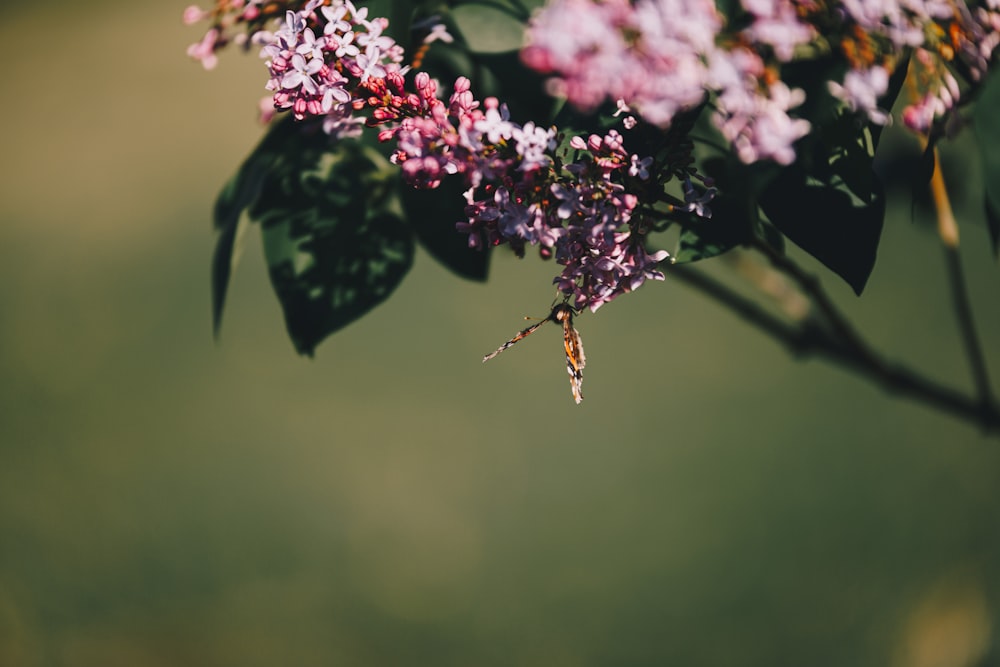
(587, 201)
(331, 61)
(781, 102)
(662, 56)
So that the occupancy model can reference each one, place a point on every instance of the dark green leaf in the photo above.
(503, 76)
(327, 280)
(770, 235)
(223, 266)
(731, 225)
(993, 224)
(888, 99)
(830, 202)
(433, 214)
(986, 120)
(734, 212)
(399, 13)
(829, 222)
(239, 194)
(703, 243)
(532, 5)
(335, 243)
(487, 29)
(844, 150)
(731, 9)
(925, 169)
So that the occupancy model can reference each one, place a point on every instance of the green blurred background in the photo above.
(166, 500)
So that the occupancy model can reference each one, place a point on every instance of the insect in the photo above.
(575, 360)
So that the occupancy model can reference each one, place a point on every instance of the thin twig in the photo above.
(948, 231)
(810, 285)
(812, 337)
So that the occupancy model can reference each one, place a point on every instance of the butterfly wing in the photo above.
(575, 358)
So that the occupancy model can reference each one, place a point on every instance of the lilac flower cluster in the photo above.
(326, 58)
(968, 36)
(322, 58)
(939, 31)
(659, 57)
(227, 18)
(582, 212)
(332, 61)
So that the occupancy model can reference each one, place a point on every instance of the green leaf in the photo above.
(704, 238)
(925, 169)
(734, 214)
(770, 235)
(224, 260)
(400, 15)
(829, 222)
(487, 29)
(888, 99)
(993, 224)
(239, 194)
(986, 121)
(502, 75)
(697, 245)
(432, 214)
(326, 280)
(334, 239)
(830, 202)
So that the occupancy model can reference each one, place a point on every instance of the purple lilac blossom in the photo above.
(582, 215)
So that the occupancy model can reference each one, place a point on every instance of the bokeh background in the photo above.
(169, 500)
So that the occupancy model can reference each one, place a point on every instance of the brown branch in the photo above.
(814, 337)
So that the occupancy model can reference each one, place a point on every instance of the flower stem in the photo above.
(948, 231)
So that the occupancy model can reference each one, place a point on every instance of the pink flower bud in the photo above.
(193, 14)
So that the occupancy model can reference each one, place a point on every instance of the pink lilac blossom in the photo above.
(582, 214)
(861, 90)
(332, 61)
(204, 51)
(902, 22)
(978, 36)
(776, 23)
(756, 122)
(329, 63)
(225, 18)
(660, 57)
(973, 36)
(941, 94)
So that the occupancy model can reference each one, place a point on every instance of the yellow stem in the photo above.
(947, 227)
